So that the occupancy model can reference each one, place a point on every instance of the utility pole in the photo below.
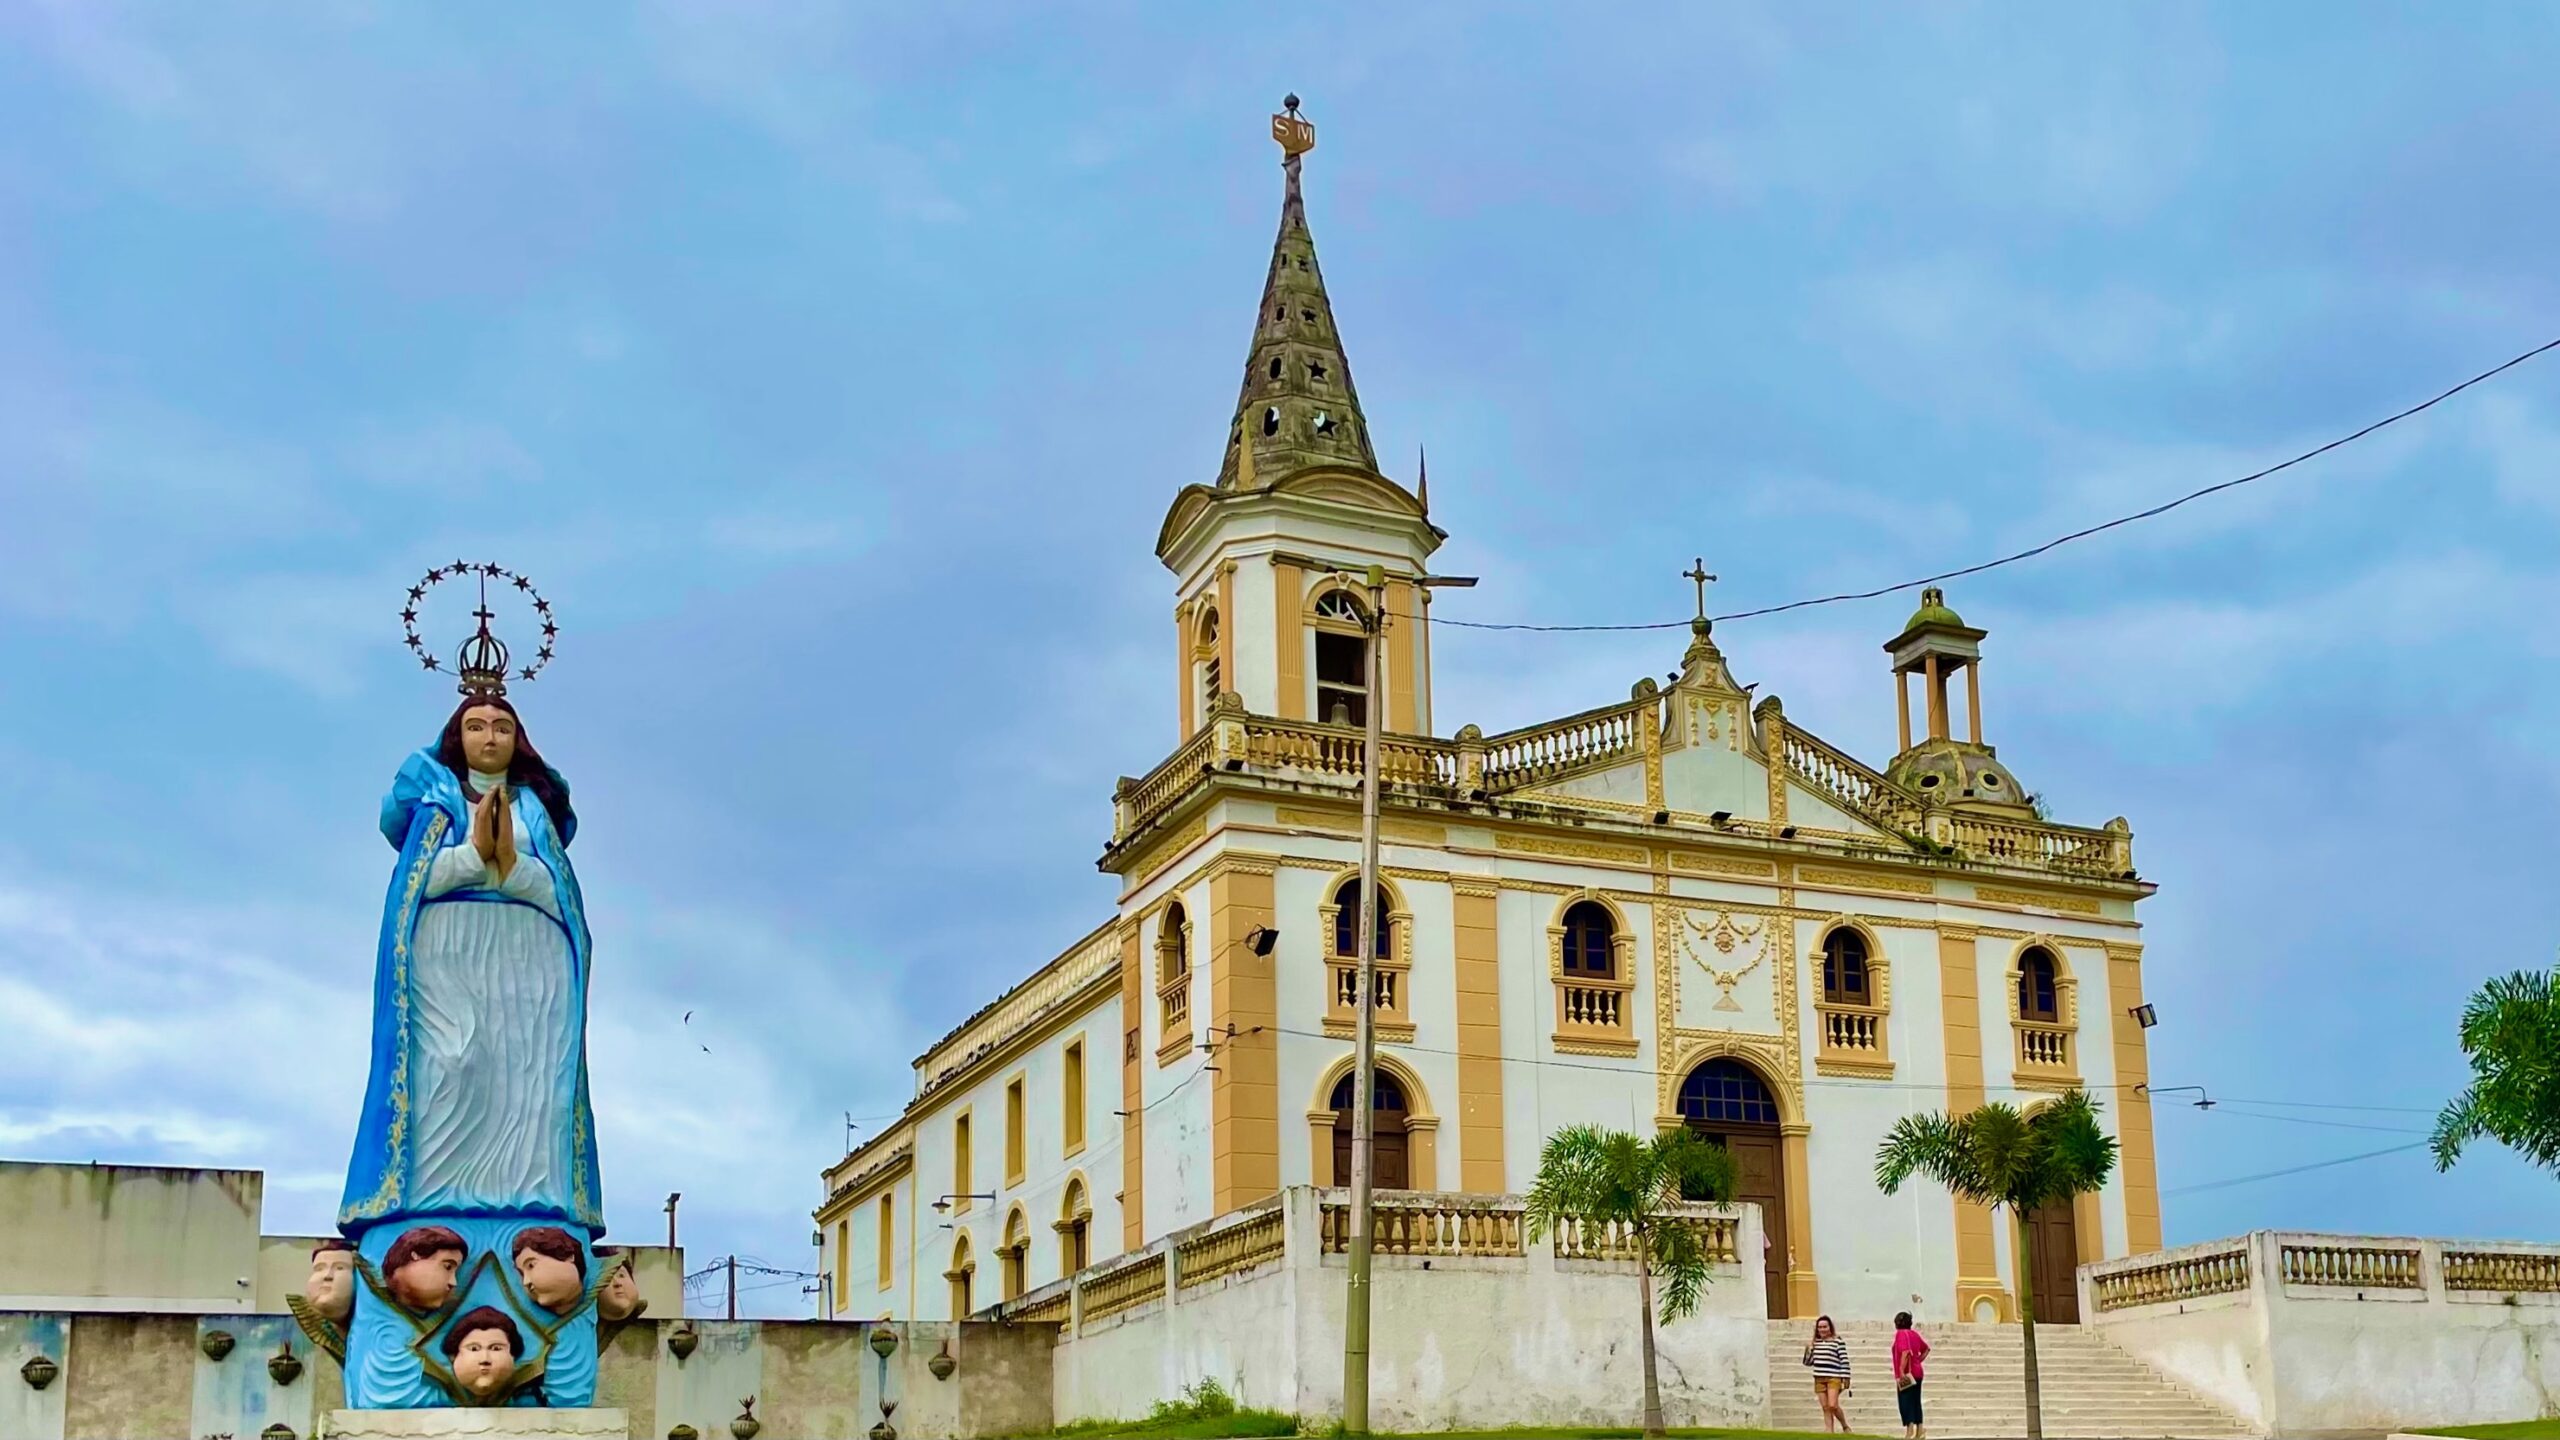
(733, 1287)
(1355, 1314)
(671, 1219)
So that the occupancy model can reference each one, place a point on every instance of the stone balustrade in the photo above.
(2335, 1334)
(1547, 752)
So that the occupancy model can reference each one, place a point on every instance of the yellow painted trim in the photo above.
(1017, 1127)
(886, 1242)
(1804, 1284)
(1183, 682)
(1133, 1127)
(1288, 606)
(1227, 627)
(964, 1159)
(1960, 1003)
(1477, 943)
(1403, 677)
(2135, 1158)
(1075, 1081)
(1244, 1105)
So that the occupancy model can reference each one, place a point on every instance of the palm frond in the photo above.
(1679, 1251)
(2511, 1034)
(1573, 1181)
(1932, 1146)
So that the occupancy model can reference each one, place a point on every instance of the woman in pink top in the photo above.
(1909, 1350)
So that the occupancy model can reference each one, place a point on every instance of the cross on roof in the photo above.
(1697, 572)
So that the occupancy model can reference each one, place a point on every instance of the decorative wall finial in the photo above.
(1697, 573)
(481, 661)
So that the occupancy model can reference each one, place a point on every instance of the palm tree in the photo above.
(1995, 1155)
(2511, 1031)
(1620, 1181)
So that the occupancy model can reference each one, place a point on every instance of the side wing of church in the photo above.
(1679, 908)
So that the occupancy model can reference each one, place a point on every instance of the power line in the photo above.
(2058, 541)
(2293, 1170)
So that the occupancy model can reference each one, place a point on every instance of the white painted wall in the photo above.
(1468, 1342)
(2324, 1360)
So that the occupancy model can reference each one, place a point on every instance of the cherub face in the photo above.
(332, 1286)
(620, 1299)
(485, 1363)
(553, 1284)
(427, 1282)
(488, 738)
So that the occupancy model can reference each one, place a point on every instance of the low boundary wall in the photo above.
(2307, 1334)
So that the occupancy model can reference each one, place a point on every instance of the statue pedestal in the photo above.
(510, 1423)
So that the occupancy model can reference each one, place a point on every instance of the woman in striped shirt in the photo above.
(1828, 1356)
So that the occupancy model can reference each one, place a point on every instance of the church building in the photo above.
(1676, 908)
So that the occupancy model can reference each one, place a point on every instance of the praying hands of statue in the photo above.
(493, 831)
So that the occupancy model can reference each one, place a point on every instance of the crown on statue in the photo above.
(481, 662)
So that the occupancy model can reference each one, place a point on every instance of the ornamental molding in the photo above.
(1865, 880)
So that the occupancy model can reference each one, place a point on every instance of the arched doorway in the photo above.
(2053, 1240)
(1728, 1103)
(1389, 1143)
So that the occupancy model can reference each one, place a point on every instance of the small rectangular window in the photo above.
(1013, 1166)
(844, 1261)
(960, 1182)
(1074, 1099)
(888, 1241)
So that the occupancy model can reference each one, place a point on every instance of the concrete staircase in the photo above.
(1977, 1386)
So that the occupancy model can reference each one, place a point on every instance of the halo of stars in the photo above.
(460, 569)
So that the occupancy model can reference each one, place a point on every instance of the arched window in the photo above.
(1588, 933)
(1342, 659)
(964, 1268)
(1844, 968)
(1727, 1092)
(2039, 986)
(1204, 657)
(1173, 979)
(1016, 1254)
(1173, 947)
(1075, 1225)
(1390, 1153)
(1346, 923)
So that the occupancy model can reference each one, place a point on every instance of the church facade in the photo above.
(1680, 907)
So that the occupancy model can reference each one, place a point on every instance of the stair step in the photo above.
(1977, 1383)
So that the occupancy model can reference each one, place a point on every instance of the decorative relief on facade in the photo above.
(2040, 899)
(1697, 864)
(1414, 831)
(1744, 945)
(1865, 880)
(1570, 849)
(1156, 856)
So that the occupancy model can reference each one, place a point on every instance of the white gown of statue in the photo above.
(496, 1030)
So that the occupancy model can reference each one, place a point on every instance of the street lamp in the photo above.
(1355, 1326)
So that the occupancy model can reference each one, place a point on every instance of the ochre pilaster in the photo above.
(1404, 668)
(1133, 1107)
(1804, 1286)
(1288, 608)
(1479, 994)
(2135, 1158)
(1244, 1016)
(1960, 1001)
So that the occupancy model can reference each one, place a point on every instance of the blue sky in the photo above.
(832, 371)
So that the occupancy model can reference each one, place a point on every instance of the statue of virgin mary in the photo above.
(477, 1100)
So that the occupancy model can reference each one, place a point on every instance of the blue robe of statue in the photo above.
(477, 1100)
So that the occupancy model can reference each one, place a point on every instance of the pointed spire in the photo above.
(1422, 477)
(1297, 408)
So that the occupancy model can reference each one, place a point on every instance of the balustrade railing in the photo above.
(1582, 1006)
(1346, 987)
(1426, 1223)
(1617, 1240)
(1334, 750)
(2044, 847)
(1257, 1241)
(2506, 1272)
(1055, 1307)
(1124, 1287)
(1144, 799)
(2123, 1285)
(1850, 785)
(2044, 1047)
(1545, 752)
(2351, 1267)
(1852, 1034)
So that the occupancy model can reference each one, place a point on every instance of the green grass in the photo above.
(1248, 1423)
(1255, 1423)
(2512, 1430)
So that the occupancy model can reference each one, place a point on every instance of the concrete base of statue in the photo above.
(508, 1423)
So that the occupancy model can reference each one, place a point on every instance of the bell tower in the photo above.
(1299, 506)
(1934, 645)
